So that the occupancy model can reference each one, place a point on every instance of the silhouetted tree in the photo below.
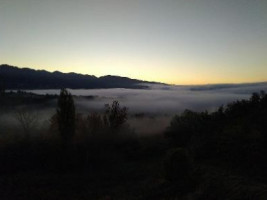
(2, 86)
(115, 116)
(66, 116)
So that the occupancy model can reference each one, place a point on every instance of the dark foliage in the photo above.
(183, 127)
(219, 155)
(115, 116)
(95, 123)
(178, 165)
(179, 170)
(66, 116)
(235, 134)
(2, 86)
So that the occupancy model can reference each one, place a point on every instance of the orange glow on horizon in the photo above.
(173, 77)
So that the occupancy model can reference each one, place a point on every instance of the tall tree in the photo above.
(66, 116)
(2, 86)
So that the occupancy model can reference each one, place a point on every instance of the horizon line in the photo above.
(152, 81)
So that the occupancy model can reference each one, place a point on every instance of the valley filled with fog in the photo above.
(150, 110)
(155, 143)
(163, 99)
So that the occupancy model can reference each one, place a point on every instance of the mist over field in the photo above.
(150, 110)
(163, 99)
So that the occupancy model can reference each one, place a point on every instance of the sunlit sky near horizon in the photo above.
(171, 41)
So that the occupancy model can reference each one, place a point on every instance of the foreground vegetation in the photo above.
(219, 155)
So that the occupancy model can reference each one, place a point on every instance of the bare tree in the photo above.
(27, 120)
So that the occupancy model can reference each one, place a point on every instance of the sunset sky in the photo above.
(171, 41)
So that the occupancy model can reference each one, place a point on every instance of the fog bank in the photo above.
(162, 99)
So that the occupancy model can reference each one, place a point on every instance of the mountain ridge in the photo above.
(26, 78)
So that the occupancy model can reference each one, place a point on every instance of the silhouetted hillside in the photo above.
(96, 155)
(25, 78)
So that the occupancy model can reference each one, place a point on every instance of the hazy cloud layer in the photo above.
(159, 103)
(162, 99)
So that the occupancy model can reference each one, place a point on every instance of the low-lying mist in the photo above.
(163, 100)
(150, 110)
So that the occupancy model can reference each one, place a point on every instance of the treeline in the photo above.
(67, 121)
(201, 155)
(72, 142)
(236, 133)
(220, 155)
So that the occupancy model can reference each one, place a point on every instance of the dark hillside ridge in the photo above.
(24, 78)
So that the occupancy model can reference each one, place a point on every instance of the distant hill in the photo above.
(24, 78)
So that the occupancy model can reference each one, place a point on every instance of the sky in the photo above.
(170, 41)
